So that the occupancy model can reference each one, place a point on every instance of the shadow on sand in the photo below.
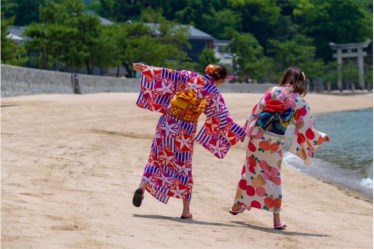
(236, 224)
(177, 219)
(271, 230)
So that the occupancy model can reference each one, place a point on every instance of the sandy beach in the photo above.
(70, 165)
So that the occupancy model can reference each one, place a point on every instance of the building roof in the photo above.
(15, 37)
(16, 33)
(14, 30)
(102, 20)
(221, 42)
(105, 21)
(193, 32)
(198, 34)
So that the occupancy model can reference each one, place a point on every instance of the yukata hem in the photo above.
(158, 194)
(272, 210)
(162, 194)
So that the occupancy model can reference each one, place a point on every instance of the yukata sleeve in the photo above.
(219, 131)
(306, 139)
(158, 86)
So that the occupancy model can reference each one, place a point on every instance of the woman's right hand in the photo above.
(138, 66)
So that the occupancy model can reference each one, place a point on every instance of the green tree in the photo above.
(369, 77)
(25, 11)
(249, 57)
(137, 48)
(350, 74)
(9, 8)
(72, 38)
(192, 12)
(258, 17)
(220, 24)
(339, 21)
(137, 43)
(124, 10)
(106, 52)
(11, 53)
(298, 51)
(206, 57)
(169, 41)
(39, 41)
(330, 75)
(174, 35)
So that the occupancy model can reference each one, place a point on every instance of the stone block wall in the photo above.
(17, 81)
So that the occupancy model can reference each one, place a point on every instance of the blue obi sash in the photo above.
(275, 122)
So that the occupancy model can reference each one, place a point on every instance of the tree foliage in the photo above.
(11, 53)
(72, 38)
(24, 11)
(207, 57)
(67, 35)
(266, 36)
(248, 56)
(339, 21)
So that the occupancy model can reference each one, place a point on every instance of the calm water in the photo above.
(348, 159)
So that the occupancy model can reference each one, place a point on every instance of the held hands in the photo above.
(137, 66)
(242, 138)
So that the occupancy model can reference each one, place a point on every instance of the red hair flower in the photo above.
(211, 68)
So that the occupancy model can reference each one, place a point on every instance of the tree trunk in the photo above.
(88, 67)
(129, 70)
(118, 68)
(44, 58)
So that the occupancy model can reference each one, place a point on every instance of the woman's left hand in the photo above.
(327, 139)
(137, 66)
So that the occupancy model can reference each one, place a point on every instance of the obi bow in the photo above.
(275, 117)
(189, 97)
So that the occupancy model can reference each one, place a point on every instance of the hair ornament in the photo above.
(302, 73)
(210, 69)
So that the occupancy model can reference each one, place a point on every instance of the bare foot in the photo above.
(279, 225)
(237, 209)
(187, 215)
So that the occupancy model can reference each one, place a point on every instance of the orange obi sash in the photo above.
(186, 106)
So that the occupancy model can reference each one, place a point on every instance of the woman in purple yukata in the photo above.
(260, 182)
(181, 96)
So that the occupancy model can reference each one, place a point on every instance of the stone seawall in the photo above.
(17, 81)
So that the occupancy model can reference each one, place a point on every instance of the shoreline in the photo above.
(353, 175)
(71, 163)
(345, 178)
(357, 194)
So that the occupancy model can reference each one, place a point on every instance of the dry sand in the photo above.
(70, 164)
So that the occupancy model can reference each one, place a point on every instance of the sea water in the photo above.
(347, 160)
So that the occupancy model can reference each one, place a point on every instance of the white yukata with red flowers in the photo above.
(168, 172)
(260, 184)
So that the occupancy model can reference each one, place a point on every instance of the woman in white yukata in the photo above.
(260, 182)
(181, 96)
